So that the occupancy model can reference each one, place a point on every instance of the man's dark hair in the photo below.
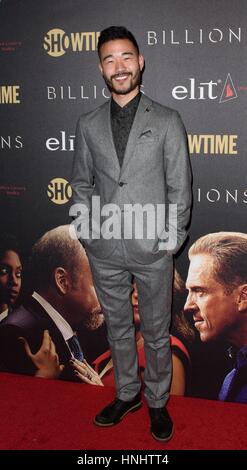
(116, 32)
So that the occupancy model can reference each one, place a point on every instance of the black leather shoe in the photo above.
(161, 424)
(115, 412)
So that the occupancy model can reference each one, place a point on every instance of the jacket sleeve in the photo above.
(82, 183)
(82, 180)
(178, 178)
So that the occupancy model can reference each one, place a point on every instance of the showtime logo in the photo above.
(57, 42)
(206, 90)
(10, 94)
(59, 191)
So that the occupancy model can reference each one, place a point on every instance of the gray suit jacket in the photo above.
(155, 171)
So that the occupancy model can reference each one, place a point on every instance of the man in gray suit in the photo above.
(131, 155)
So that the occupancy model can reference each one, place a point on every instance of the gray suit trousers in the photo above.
(113, 283)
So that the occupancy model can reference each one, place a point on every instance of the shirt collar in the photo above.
(238, 355)
(4, 314)
(126, 110)
(242, 357)
(63, 326)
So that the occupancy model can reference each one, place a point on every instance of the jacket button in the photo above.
(121, 183)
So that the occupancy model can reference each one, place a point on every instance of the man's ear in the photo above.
(141, 61)
(100, 68)
(242, 299)
(61, 280)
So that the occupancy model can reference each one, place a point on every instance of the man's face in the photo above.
(121, 66)
(10, 277)
(215, 312)
(81, 300)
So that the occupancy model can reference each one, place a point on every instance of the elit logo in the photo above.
(59, 191)
(206, 90)
(57, 42)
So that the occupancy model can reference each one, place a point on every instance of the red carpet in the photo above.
(47, 414)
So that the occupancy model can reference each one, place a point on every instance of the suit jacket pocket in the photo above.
(150, 139)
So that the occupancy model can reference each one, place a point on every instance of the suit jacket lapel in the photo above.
(106, 130)
(142, 117)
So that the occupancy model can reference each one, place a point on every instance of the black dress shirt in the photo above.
(121, 121)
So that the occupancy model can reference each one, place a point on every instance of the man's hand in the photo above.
(86, 373)
(46, 359)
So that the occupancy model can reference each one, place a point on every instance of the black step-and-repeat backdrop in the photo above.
(195, 55)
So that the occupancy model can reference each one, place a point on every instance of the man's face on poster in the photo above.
(214, 308)
(81, 300)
